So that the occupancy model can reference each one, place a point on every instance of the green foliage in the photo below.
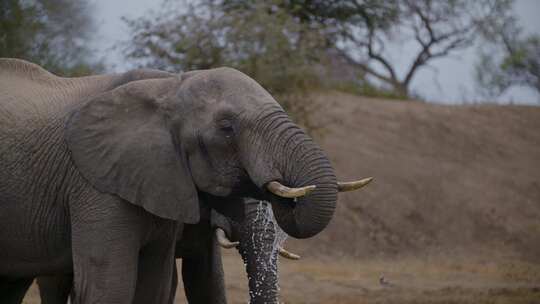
(519, 67)
(330, 13)
(264, 42)
(509, 58)
(51, 33)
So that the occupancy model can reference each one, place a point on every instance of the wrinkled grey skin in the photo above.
(102, 173)
(202, 269)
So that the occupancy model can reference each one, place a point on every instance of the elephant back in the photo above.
(30, 96)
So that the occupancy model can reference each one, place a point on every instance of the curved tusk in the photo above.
(223, 240)
(355, 185)
(284, 191)
(288, 255)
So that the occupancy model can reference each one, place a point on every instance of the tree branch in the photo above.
(426, 54)
(364, 67)
(379, 57)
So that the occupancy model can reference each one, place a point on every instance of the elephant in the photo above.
(256, 239)
(99, 174)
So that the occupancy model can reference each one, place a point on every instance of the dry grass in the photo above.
(412, 280)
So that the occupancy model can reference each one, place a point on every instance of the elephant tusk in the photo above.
(284, 191)
(223, 240)
(288, 255)
(354, 185)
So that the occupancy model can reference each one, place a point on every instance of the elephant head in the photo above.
(161, 143)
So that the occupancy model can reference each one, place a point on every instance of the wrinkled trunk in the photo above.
(259, 240)
(278, 150)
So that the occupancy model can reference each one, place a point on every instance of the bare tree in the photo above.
(438, 28)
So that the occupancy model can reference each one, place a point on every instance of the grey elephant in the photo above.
(256, 238)
(100, 173)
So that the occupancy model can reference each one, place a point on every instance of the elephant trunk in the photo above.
(280, 151)
(258, 248)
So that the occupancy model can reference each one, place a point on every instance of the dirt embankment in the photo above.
(449, 180)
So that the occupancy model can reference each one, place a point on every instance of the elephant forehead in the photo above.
(215, 84)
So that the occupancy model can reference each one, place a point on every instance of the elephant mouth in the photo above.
(245, 187)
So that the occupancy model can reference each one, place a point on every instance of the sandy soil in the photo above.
(410, 280)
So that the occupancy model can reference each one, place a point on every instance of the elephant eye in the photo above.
(226, 128)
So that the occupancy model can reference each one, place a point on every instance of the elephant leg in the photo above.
(204, 281)
(107, 234)
(12, 290)
(55, 289)
(155, 273)
(104, 274)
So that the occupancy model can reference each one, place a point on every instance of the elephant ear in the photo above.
(121, 143)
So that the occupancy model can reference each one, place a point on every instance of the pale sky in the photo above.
(448, 80)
